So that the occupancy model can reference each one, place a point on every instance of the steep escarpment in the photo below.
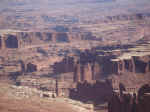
(30, 37)
(128, 102)
(96, 92)
(66, 65)
(135, 64)
(127, 64)
(136, 16)
(11, 41)
(88, 66)
(68, 69)
(93, 66)
(91, 55)
(20, 39)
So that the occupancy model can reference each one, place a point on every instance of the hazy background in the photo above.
(17, 14)
(78, 6)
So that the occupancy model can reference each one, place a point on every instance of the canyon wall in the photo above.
(90, 66)
(135, 64)
(84, 71)
(96, 92)
(137, 16)
(97, 65)
(20, 39)
(128, 102)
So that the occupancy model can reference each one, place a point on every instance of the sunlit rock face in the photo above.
(135, 64)
(90, 65)
(22, 39)
(0, 42)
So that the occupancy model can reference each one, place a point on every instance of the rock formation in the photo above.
(0, 42)
(143, 99)
(11, 41)
(31, 67)
(137, 16)
(73, 67)
(96, 92)
(19, 39)
(66, 65)
(127, 102)
(99, 66)
(87, 57)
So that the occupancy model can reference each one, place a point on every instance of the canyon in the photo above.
(88, 75)
(86, 59)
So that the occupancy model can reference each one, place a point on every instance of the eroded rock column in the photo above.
(77, 73)
(96, 71)
(147, 69)
(87, 72)
(0, 42)
(121, 66)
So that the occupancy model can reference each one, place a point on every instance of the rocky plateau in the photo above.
(79, 59)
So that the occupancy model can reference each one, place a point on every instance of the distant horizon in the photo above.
(118, 6)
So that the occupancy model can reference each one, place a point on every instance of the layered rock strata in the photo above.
(127, 102)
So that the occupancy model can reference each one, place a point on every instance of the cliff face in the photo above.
(96, 92)
(8, 41)
(21, 39)
(126, 102)
(91, 66)
(65, 66)
(93, 70)
(137, 16)
(143, 105)
(87, 67)
(115, 63)
(135, 64)
(0, 42)
(100, 64)
(123, 103)
(11, 41)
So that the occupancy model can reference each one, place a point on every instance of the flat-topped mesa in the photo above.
(137, 16)
(136, 64)
(15, 68)
(20, 39)
(103, 66)
(122, 66)
(30, 37)
(87, 67)
(93, 65)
